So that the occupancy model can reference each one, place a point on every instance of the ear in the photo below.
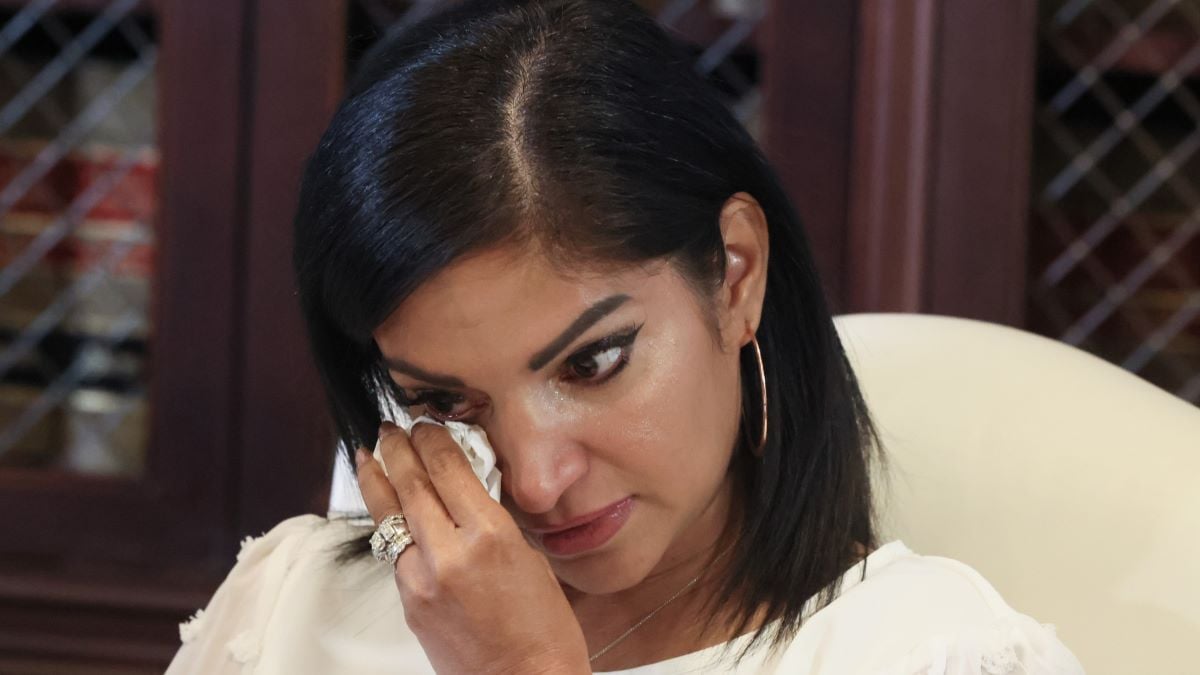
(744, 230)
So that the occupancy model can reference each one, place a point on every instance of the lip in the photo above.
(578, 520)
(585, 533)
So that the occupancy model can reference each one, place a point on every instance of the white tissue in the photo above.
(471, 438)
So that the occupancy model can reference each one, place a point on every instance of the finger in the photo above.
(427, 517)
(381, 500)
(464, 497)
(377, 493)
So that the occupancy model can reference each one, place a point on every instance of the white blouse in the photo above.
(288, 607)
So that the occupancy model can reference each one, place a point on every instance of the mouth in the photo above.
(586, 533)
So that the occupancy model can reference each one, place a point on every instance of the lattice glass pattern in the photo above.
(719, 32)
(1115, 251)
(78, 166)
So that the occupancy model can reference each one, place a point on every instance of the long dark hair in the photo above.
(578, 127)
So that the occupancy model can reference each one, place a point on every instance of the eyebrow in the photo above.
(402, 366)
(586, 320)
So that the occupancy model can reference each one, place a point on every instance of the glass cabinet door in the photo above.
(1115, 229)
(79, 163)
(119, 225)
(157, 403)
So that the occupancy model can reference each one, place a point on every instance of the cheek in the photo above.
(677, 426)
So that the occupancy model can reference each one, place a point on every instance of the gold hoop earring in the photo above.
(762, 380)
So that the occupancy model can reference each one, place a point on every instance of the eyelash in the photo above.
(622, 340)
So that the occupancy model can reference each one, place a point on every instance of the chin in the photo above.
(604, 572)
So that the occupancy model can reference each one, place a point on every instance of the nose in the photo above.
(538, 456)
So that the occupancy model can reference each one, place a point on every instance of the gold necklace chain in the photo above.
(656, 610)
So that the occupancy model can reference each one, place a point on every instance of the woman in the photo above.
(532, 217)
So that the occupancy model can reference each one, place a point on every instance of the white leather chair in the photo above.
(1070, 484)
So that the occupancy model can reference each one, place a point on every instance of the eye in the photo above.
(599, 366)
(601, 360)
(443, 406)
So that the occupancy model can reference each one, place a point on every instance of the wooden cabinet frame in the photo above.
(96, 572)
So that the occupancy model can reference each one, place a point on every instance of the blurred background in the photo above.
(1032, 163)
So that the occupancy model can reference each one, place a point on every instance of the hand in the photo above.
(477, 596)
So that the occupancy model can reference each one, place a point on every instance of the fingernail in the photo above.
(387, 428)
(360, 456)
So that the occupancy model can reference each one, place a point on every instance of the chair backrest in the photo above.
(1070, 484)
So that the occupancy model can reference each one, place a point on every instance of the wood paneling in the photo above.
(286, 442)
(979, 206)
(893, 121)
(808, 86)
(941, 158)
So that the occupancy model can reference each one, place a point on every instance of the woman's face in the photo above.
(608, 393)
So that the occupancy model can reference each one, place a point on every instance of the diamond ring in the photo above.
(390, 539)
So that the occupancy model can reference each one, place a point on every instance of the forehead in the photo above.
(509, 294)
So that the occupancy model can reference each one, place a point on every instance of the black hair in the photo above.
(578, 129)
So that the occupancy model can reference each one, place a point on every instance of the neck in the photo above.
(680, 626)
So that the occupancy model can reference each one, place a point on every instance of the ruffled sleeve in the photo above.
(225, 638)
(1015, 645)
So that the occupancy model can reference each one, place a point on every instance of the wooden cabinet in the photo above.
(1029, 163)
(903, 130)
(98, 562)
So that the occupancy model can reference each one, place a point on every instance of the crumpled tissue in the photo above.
(471, 438)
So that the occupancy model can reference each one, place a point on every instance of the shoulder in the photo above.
(289, 604)
(286, 537)
(928, 615)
